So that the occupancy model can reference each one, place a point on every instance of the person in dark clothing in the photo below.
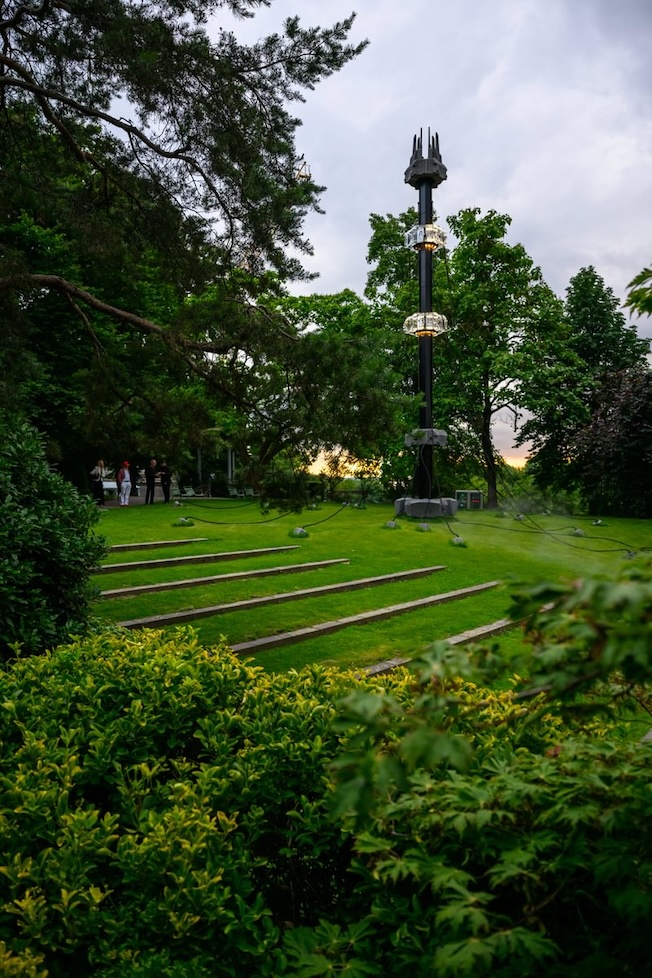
(150, 479)
(166, 479)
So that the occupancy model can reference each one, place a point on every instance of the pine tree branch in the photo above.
(22, 12)
(28, 83)
(58, 284)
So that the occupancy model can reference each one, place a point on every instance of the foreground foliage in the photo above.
(169, 810)
(47, 546)
(509, 835)
(163, 808)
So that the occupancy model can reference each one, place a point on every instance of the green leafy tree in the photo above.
(297, 376)
(93, 388)
(393, 281)
(612, 452)
(148, 159)
(343, 337)
(503, 319)
(600, 334)
(639, 298)
(567, 389)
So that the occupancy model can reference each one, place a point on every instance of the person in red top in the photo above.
(124, 484)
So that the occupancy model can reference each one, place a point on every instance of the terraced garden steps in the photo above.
(288, 638)
(472, 635)
(192, 614)
(324, 628)
(198, 559)
(117, 547)
(126, 592)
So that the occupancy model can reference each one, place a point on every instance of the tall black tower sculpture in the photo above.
(424, 173)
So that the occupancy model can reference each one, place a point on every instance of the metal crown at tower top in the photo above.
(429, 167)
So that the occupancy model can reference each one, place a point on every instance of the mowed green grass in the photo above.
(503, 549)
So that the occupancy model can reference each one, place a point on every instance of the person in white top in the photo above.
(124, 484)
(97, 477)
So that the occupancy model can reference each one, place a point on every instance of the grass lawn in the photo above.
(498, 548)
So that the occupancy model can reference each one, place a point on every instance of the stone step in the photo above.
(118, 547)
(193, 614)
(472, 635)
(180, 561)
(324, 628)
(125, 592)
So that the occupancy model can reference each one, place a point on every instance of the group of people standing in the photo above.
(165, 475)
(124, 481)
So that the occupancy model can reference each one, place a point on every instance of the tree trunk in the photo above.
(488, 453)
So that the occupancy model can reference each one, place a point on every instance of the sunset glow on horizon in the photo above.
(518, 462)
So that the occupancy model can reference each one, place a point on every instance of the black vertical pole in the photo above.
(423, 174)
(423, 474)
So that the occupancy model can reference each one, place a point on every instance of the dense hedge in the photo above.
(163, 808)
(170, 811)
(48, 549)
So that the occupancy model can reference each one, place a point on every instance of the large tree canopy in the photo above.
(151, 204)
(504, 320)
(612, 453)
(600, 334)
(599, 346)
(143, 90)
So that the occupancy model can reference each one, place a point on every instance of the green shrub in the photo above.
(47, 547)
(169, 810)
(21, 965)
(521, 861)
(164, 807)
(509, 834)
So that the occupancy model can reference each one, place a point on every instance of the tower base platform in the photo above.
(425, 508)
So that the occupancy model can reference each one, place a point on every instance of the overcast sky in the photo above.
(543, 109)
